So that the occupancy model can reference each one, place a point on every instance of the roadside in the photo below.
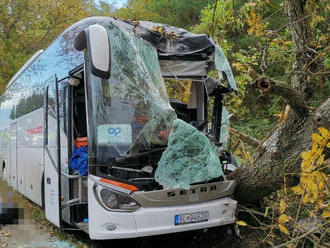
(30, 231)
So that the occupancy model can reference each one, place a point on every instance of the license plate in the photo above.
(191, 218)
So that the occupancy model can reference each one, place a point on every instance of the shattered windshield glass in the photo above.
(189, 158)
(131, 110)
(222, 65)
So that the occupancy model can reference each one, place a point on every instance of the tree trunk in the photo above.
(280, 153)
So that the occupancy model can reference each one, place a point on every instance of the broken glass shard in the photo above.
(222, 65)
(189, 158)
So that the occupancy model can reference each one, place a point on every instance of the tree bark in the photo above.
(280, 153)
(294, 97)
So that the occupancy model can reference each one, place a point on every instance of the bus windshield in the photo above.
(130, 112)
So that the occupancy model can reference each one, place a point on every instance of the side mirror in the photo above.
(95, 43)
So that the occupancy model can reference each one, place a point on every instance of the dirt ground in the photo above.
(27, 233)
(33, 231)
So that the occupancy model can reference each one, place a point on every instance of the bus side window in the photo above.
(63, 91)
(79, 109)
(106, 92)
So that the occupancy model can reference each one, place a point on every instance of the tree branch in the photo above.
(294, 98)
(301, 236)
(213, 18)
(244, 137)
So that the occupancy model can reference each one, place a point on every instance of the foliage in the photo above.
(182, 13)
(24, 106)
(229, 25)
(255, 36)
(219, 21)
(305, 207)
(299, 216)
(29, 25)
(178, 89)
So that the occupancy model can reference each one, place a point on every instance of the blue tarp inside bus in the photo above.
(78, 160)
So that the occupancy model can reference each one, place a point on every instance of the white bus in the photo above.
(102, 82)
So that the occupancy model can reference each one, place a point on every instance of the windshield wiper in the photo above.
(145, 153)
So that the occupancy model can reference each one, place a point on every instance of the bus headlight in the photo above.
(114, 200)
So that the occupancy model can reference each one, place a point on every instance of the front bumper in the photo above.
(155, 220)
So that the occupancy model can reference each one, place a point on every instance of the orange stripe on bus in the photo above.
(119, 184)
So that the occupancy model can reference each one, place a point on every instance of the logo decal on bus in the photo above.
(114, 131)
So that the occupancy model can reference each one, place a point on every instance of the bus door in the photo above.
(52, 153)
(13, 154)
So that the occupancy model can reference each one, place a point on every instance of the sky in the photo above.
(116, 3)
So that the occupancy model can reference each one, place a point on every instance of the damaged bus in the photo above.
(88, 132)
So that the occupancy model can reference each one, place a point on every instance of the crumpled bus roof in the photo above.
(181, 54)
(173, 41)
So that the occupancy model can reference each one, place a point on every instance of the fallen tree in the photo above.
(279, 153)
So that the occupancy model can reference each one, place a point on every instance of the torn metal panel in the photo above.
(189, 158)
